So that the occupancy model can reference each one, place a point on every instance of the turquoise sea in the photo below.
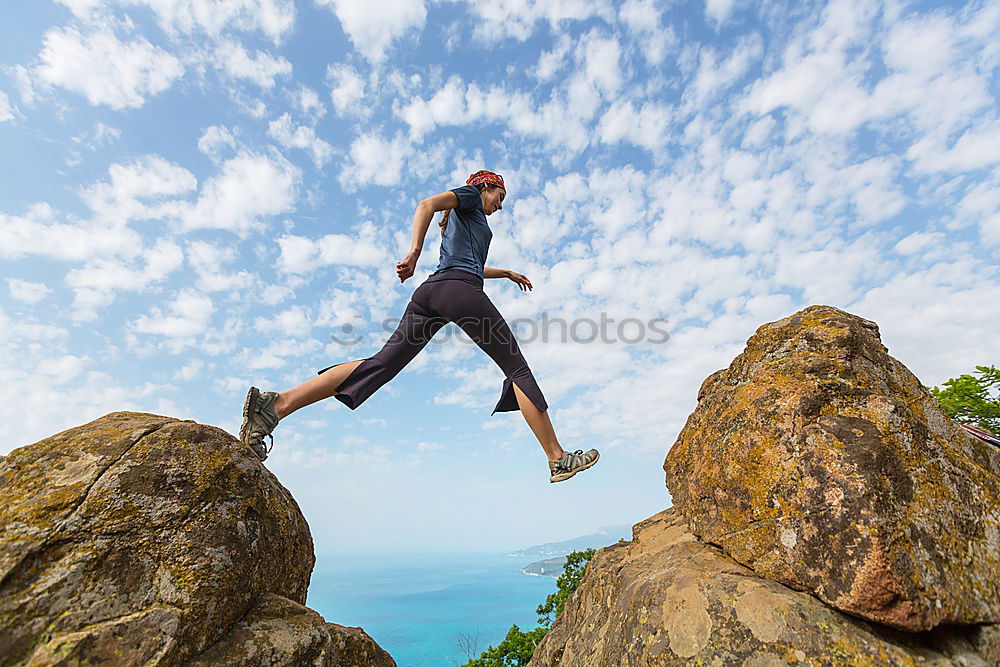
(419, 606)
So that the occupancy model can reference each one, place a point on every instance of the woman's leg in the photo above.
(470, 308)
(415, 329)
(315, 389)
(351, 382)
(540, 425)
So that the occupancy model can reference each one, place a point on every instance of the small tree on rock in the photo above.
(973, 399)
(517, 647)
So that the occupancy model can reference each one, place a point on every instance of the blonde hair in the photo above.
(443, 222)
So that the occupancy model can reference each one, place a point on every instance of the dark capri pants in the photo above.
(455, 296)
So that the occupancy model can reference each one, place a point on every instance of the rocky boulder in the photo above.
(278, 631)
(821, 462)
(141, 539)
(666, 598)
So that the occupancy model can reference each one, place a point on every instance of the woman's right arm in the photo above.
(425, 213)
(421, 221)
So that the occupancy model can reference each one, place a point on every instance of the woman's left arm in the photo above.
(519, 278)
(495, 273)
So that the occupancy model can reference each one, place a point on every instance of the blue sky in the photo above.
(196, 195)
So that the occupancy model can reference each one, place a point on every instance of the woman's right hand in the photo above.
(408, 265)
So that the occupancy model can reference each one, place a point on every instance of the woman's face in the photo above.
(493, 200)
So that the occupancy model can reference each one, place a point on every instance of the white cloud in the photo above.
(602, 62)
(293, 322)
(301, 255)
(553, 61)
(274, 354)
(259, 67)
(719, 10)
(62, 369)
(369, 458)
(639, 15)
(6, 112)
(98, 136)
(40, 232)
(34, 358)
(214, 140)
(150, 177)
(976, 148)
(26, 291)
(307, 100)
(714, 76)
(25, 332)
(374, 161)
(273, 17)
(131, 71)
(642, 17)
(272, 295)
(96, 282)
(919, 242)
(645, 127)
(187, 316)
(143, 189)
(373, 31)
(562, 120)
(826, 80)
(247, 188)
(981, 205)
(190, 371)
(25, 86)
(517, 19)
(836, 274)
(208, 261)
(452, 104)
(347, 88)
(301, 136)
(926, 44)
(941, 301)
(872, 188)
(82, 8)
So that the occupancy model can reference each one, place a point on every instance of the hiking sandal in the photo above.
(570, 464)
(258, 421)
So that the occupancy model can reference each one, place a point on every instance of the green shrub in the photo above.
(973, 400)
(517, 647)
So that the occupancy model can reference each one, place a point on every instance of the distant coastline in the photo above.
(602, 538)
(550, 567)
(553, 554)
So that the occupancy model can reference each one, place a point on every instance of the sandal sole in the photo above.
(566, 475)
(249, 405)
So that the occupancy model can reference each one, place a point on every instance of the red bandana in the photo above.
(487, 177)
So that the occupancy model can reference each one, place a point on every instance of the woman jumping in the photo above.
(453, 293)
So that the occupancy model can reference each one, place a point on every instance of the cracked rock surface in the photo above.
(142, 539)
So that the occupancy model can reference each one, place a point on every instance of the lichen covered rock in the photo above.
(667, 598)
(822, 463)
(140, 539)
(278, 631)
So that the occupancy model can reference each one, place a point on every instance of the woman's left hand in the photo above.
(519, 278)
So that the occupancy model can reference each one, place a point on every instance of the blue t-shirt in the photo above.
(466, 238)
